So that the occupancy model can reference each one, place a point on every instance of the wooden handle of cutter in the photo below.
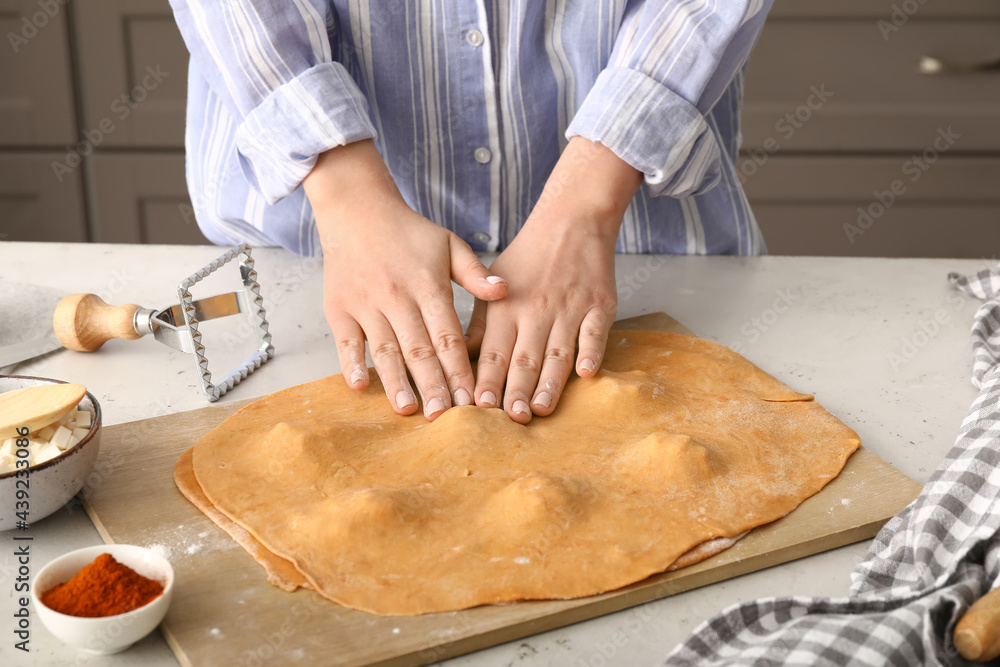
(977, 635)
(84, 322)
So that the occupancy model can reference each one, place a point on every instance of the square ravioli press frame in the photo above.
(253, 305)
(177, 326)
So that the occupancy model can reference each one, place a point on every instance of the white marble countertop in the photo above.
(882, 343)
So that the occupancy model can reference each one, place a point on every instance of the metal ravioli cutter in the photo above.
(84, 322)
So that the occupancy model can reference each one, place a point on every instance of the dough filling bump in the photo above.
(676, 443)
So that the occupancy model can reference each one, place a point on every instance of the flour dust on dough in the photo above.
(676, 443)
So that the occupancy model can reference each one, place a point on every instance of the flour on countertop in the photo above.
(160, 550)
(176, 544)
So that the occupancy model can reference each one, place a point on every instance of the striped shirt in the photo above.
(471, 104)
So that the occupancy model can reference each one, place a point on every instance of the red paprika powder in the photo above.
(105, 587)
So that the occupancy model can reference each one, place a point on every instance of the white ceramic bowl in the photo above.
(106, 634)
(54, 482)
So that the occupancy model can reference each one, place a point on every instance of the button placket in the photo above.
(483, 154)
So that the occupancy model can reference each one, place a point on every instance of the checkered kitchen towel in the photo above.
(925, 568)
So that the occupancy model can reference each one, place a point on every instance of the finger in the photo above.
(422, 361)
(477, 327)
(350, 340)
(593, 340)
(388, 359)
(446, 336)
(494, 360)
(472, 274)
(525, 366)
(556, 368)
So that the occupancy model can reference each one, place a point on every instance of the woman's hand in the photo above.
(387, 279)
(560, 270)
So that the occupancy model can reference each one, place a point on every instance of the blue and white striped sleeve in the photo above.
(671, 62)
(272, 63)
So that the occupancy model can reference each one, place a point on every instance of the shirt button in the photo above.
(482, 237)
(482, 155)
(474, 37)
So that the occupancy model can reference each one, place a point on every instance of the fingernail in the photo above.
(543, 400)
(404, 399)
(462, 397)
(521, 408)
(357, 377)
(434, 406)
(587, 365)
(488, 398)
(493, 280)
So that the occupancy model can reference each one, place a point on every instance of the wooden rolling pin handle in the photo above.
(977, 635)
(84, 322)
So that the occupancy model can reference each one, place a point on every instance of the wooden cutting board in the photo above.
(225, 612)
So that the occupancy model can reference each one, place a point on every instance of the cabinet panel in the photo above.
(142, 199)
(878, 207)
(820, 84)
(883, 9)
(908, 230)
(36, 89)
(133, 69)
(34, 204)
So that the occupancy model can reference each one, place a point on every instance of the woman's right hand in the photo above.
(387, 279)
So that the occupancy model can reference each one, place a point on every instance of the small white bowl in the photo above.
(105, 634)
(55, 481)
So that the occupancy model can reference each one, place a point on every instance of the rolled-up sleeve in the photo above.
(671, 62)
(272, 64)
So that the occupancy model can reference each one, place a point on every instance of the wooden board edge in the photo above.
(175, 646)
(625, 599)
(223, 409)
(654, 321)
(650, 589)
(102, 530)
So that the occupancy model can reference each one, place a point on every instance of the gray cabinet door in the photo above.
(886, 9)
(35, 205)
(133, 72)
(849, 85)
(878, 206)
(36, 89)
(142, 198)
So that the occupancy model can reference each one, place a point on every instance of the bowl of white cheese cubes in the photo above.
(61, 456)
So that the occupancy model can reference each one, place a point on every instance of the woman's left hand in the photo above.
(561, 275)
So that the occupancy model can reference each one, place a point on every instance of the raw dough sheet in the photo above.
(677, 448)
